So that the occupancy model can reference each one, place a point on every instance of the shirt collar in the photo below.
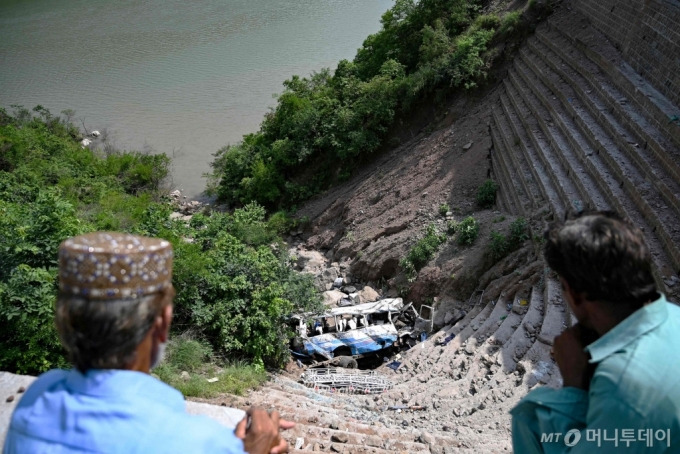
(123, 384)
(637, 324)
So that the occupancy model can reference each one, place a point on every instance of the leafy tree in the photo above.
(28, 337)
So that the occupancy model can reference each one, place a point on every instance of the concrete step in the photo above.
(498, 327)
(529, 146)
(572, 180)
(518, 344)
(399, 438)
(325, 444)
(514, 157)
(475, 323)
(593, 160)
(414, 357)
(504, 175)
(495, 318)
(538, 362)
(647, 197)
(456, 329)
(600, 51)
(592, 84)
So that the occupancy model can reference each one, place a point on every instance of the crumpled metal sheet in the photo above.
(360, 341)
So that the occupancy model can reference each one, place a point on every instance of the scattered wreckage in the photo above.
(343, 335)
(352, 381)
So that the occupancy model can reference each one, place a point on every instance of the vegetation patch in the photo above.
(422, 252)
(486, 194)
(191, 367)
(519, 232)
(468, 230)
(235, 283)
(498, 246)
(511, 23)
(501, 245)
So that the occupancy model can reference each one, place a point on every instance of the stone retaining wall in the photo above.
(648, 34)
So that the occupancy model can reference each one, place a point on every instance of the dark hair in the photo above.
(105, 334)
(602, 255)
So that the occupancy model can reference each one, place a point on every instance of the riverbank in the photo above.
(181, 78)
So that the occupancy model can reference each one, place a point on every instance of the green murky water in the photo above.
(182, 77)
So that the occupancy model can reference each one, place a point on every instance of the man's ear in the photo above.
(575, 297)
(576, 301)
(163, 323)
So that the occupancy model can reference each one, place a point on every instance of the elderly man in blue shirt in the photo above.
(113, 315)
(621, 363)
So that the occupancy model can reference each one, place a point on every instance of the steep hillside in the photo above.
(571, 126)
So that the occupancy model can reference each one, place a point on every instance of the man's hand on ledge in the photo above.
(262, 435)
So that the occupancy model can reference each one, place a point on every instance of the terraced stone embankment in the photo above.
(575, 127)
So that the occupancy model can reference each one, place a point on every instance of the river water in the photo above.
(174, 76)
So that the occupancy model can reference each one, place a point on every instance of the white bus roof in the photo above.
(388, 304)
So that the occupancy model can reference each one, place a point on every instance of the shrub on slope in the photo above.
(233, 289)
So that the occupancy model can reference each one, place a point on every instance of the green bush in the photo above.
(468, 230)
(498, 246)
(236, 289)
(501, 245)
(510, 23)
(518, 233)
(421, 252)
(235, 286)
(451, 227)
(488, 22)
(444, 208)
(279, 222)
(486, 194)
(28, 339)
(188, 354)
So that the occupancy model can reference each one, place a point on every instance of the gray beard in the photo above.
(157, 358)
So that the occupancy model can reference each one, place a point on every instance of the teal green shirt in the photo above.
(633, 404)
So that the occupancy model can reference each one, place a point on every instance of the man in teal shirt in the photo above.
(621, 363)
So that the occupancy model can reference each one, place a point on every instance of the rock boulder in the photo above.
(368, 295)
(332, 297)
(310, 261)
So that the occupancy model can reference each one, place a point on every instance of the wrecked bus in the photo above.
(357, 331)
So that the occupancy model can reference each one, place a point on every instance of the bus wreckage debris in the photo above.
(352, 381)
(359, 331)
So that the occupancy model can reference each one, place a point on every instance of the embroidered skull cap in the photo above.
(111, 265)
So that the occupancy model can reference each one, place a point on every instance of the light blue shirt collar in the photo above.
(637, 324)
